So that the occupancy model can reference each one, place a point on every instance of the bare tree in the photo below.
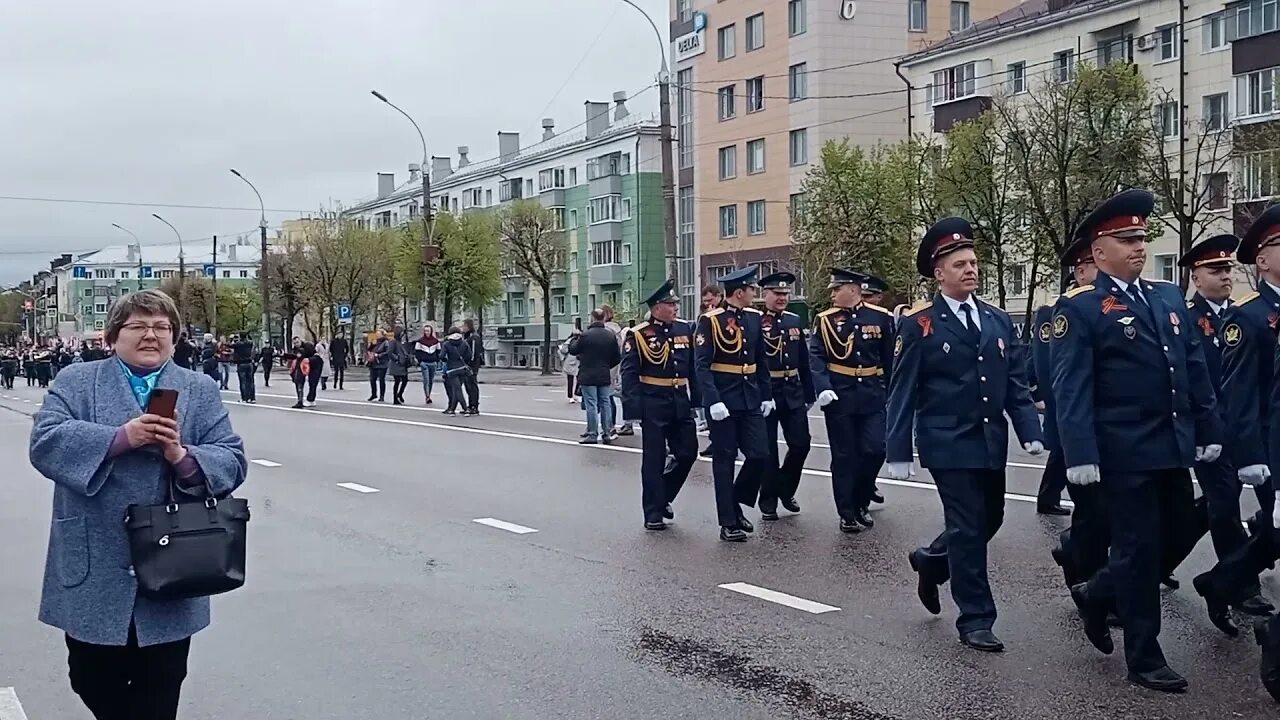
(536, 247)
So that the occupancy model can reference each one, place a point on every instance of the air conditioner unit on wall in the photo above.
(1146, 42)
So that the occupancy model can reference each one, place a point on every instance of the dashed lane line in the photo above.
(265, 463)
(357, 487)
(504, 525)
(780, 598)
(10, 707)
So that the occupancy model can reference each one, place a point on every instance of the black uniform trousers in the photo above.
(1235, 577)
(472, 384)
(857, 452)
(1088, 538)
(782, 481)
(973, 511)
(245, 372)
(128, 682)
(663, 432)
(1053, 481)
(741, 431)
(1221, 488)
(1149, 513)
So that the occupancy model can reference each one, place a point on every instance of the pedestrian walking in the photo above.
(322, 352)
(375, 359)
(952, 383)
(298, 361)
(126, 654)
(791, 379)
(873, 293)
(570, 364)
(182, 351)
(267, 360)
(475, 353)
(225, 360)
(457, 359)
(209, 362)
(712, 298)
(426, 351)
(620, 334)
(598, 354)
(398, 359)
(243, 356)
(339, 352)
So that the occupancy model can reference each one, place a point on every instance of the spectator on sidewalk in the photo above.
(225, 359)
(398, 359)
(182, 351)
(339, 351)
(599, 355)
(375, 358)
(242, 355)
(267, 359)
(426, 351)
(322, 352)
(457, 363)
(620, 334)
(570, 365)
(475, 350)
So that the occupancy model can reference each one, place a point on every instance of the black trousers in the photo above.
(782, 481)
(266, 375)
(377, 383)
(664, 429)
(128, 682)
(453, 389)
(398, 385)
(1053, 481)
(1087, 540)
(473, 389)
(973, 511)
(339, 375)
(744, 431)
(244, 371)
(857, 453)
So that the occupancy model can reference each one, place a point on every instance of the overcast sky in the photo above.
(153, 104)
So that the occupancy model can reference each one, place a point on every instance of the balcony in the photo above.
(948, 115)
(605, 185)
(552, 198)
(607, 274)
(605, 232)
(514, 284)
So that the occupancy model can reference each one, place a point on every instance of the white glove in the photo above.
(826, 397)
(718, 412)
(1083, 475)
(1035, 447)
(899, 471)
(1275, 514)
(1208, 453)
(1254, 475)
(767, 407)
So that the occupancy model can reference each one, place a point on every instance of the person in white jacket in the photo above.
(569, 364)
(322, 350)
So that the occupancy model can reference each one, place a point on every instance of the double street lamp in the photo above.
(138, 244)
(182, 272)
(262, 262)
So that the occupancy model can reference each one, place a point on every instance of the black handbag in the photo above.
(188, 549)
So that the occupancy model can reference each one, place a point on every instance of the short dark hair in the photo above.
(469, 324)
(151, 303)
(712, 290)
(597, 315)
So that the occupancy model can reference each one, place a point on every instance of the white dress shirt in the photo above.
(973, 310)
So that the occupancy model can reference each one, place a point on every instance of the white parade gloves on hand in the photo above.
(899, 470)
(1254, 475)
(767, 407)
(718, 412)
(1083, 475)
(1208, 453)
(1035, 447)
(826, 397)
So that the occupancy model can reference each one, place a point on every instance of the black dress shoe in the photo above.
(1162, 679)
(1219, 614)
(1063, 559)
(983, 640)
(668, 513)
(790, 504)
(768, 515)
(745, 524)
(1256, 605)
(1270, 665)
(1095, 621)
(849, 526)
(626, 430)
(876, 497)
(863, 516)
(1113, 620)
(705, 453)
(925, 590)
(1053, 510)
(655, 525)
(732, 535)
(1170, 582)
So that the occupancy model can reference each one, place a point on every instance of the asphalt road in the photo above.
(373, 591)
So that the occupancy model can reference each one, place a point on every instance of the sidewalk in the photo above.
(488, 376)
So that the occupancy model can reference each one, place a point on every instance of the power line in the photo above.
(720, 93)
(78, 201)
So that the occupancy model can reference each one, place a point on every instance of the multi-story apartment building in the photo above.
(761, 86)
(1219, 64)
(88, 284)
(603, 181)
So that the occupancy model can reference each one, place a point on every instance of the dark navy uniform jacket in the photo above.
(788, 359)
(1208, 330)
(1043, 373)
(851, 352)
(955, 393)
(657, 370)
(1248, 356)
(730, 360)
(1132, 389)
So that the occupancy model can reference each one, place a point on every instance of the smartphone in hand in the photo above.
(164, 402)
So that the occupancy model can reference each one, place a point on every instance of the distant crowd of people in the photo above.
(39, 364)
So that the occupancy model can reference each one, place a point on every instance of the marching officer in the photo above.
(733, 381)
(792, 388)
(954, 381)
(1054, 479)
(873, 292)
(851, 352)
(1135, 408)
(657, 372)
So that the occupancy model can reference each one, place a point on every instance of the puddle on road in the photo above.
(683, 656)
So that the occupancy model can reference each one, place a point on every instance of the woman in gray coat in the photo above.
(93, 438)
(398, 359)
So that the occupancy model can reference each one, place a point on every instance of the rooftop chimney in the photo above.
(508, 146)
(132, 254)
(548, 128)
(597, 119)
(620, 112)
(463, 160)
(414, 169)
(441, 168)
(231, 253)
(386, 184)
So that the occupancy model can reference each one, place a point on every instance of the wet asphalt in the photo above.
(396, 604)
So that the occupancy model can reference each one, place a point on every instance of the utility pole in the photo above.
(430, 253)
(213, 280)
(182, 273)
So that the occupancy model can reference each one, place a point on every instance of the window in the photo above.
(795, 209)
(604, 209)
(953, 83)
(1016, 78)
(959, 15)
(1260, 175)
(727, 39)
(244, 273)
(102, 274)
(626, 253)
(1215, 112)
(1215, 191)
(557, 217)
(1115, 50)
(755, 94)
(797, 17)
(1167, 112)
(573, 171)
(124, 274)
(1167, 267)
(729, 162)
(684, 113)
(755, 32)
(684, 10)
(687, 264)
(728, 221)
(551, 179)
(755, 156)
(606, 253)
(626, 208)
(226, 273)
(488, 197)
(1064, 66)
(799, 146)
(99, 324)
(557, 305)
(798, 81)
(517, 306)
(1170, 41)
(728, 105)
(1256, 93)
(88, 292)
(755, 217)
(573, 218)
(1016, 280)
(1254, 18)
(917, 15)
(1214, 32)
(577, 304)
(100, 308)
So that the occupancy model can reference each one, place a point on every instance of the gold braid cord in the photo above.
(773, 346)
(658, 357)
(829, 335)
(722, 341)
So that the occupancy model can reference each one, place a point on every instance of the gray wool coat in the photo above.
(89, 589)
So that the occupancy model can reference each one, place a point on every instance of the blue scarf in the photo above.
(141, 385)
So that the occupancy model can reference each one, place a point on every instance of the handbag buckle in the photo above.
(164, 540)
(211, 503)
(171, 508)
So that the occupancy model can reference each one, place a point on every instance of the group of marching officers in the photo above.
(1138, 386)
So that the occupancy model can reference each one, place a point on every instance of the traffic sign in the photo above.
(344, 313)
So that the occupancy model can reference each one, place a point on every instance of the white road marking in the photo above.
(264, 463)
(543, 400)
(780, 598)
(504, 525)
(358, 487)
(561, 441)
(10, 708)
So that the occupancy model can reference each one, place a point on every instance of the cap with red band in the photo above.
(1263, 232)
(944, 237)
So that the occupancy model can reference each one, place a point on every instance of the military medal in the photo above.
(1000, 344)
(946, 347)
(1173, 320)
(1130, 331)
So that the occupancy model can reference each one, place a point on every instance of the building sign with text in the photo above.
(695, 43)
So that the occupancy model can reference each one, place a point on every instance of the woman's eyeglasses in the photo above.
(160, 329)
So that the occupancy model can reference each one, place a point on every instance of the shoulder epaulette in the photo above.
(917, 308)
(751, 309)
(877, 307)
(1158, 280)
(713, 312)
(679, 320)
(1077, 291)
(788, 312)
(1247, 298)
(641, 326)
(830, 311)
(1191, 304)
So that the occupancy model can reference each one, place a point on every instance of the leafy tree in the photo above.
(468, 272)
(239, 309)
(534, 246)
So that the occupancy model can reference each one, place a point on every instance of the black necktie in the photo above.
(969, 323)
(1139, 301)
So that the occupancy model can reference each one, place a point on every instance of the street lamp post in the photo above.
(182, 273)
(429, 251)
(28, 315)
(668, 171)
(138, 244)
(262, 262)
